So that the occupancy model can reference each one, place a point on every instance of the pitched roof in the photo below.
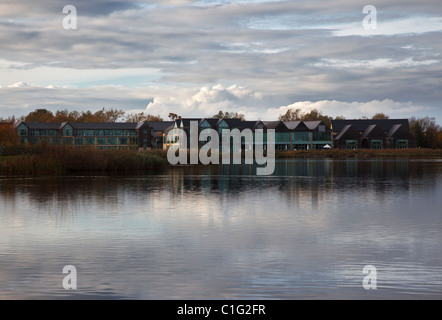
(343, 131)
(235, 123)
(361, 125)
(160, 125)
(43, 125)
(186, 121)
(106, 125)
(272, 124)
(369, 129)
(394, 129)
(248, 125)
(312, 125)
(292, 124)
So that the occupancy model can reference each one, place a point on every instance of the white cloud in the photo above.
(203, 102)
(351, 110)
(20, 84)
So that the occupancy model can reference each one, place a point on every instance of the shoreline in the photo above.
(53, 161)
(360, 154)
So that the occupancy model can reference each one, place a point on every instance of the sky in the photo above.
(194, 58)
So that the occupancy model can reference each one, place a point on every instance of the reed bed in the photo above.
(53, 160)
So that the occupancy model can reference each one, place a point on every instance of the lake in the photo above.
(221, 232)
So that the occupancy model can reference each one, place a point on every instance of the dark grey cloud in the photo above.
(285, 50)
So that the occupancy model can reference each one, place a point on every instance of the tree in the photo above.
(107, 115)
(315, 115)
(425, 130)
(173, 116)
(291, 115)
(8, 133)
(39, 115)
(66, 116)
(380, 115)
(103, 115)
(439, 140)
(141, 116)
(227, 115)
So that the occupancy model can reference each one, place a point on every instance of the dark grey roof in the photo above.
(292, 124)
(343, 131)
(248, 125)
(160, 125)
(186, 121)
(312, 125)
(361, 125)
(394, 129)
(369, 129)
(272, 124)
(212, 121)
(43, 125)
(105, 125)
(234, 123)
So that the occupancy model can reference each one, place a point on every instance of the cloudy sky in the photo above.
(193, 58)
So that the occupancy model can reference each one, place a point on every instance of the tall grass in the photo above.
(50, 160)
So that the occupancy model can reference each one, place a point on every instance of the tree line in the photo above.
(427, 132)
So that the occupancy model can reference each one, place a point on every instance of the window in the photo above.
(67, 141)
(376, 144)
(23, 132)
(112, 141)
(322, 136)
(98, 133)
(101, 141)
(351, 144)
(90, 141)
(402, 144)
(301, 136)
(123, 141)
(78, 141)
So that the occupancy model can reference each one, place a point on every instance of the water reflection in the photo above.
(222, 232)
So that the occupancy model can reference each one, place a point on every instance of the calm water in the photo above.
(222, 233)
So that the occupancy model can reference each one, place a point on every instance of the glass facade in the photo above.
(102, 139)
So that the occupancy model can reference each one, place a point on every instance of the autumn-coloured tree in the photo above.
(39, 115)
(291, 115)
(425, 130)
(103, 115)
(439, 140)
(141, 116)
(380, 115)
(8, 133)
(316, 115)
(229, 115)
